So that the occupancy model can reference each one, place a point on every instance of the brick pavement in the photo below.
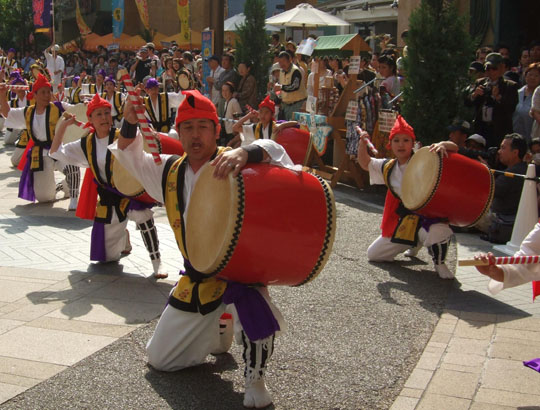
(56, 307)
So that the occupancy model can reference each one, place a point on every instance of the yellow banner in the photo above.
(183, 14)
(142, 6)
(83, 28)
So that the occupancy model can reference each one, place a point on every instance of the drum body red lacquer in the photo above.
(296, 143)
(456, 188)
(270, 225)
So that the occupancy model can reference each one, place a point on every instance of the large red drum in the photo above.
(270, 225)
(456, 188)
(296, 143)
(128, 185)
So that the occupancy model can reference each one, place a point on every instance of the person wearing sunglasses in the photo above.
(494, 99)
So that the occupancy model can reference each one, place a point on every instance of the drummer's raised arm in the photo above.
(363, 156)
(4, 104)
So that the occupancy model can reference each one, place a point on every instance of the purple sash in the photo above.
(26, 183)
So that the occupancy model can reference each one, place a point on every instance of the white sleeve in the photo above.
(248, 134)
(60, 65)
(235, 107)
(15, 119)
(278, 155)
(142, 166)
(175, 99)
(66, 106)
(72, 154)
(375, 171)
(85, 88)
(515, 275)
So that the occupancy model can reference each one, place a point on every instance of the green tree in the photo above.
(252, 44)
(439, 51)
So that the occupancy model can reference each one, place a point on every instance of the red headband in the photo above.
(195, 105)
(39, 83)
(97, 102)
(268, 103)
(401, 127)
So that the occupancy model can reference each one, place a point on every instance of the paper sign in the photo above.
(306, 46)
(352, 111)
(311, 105)
(354, 65)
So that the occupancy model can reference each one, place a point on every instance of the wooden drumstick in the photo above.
(147, 133)
(368, 142)
(502, 260)
(79, 124)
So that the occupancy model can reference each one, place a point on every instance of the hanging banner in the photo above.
(42, 15)
(117, 18)
(142, 6)
(83, 28)
(207, 49)
(183, 13)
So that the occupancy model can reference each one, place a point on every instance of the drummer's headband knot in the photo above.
(401, 127)
(195, 105)
(97, 102)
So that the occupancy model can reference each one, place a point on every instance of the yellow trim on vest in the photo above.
(285, 79)
(162, 123)
(172, 206)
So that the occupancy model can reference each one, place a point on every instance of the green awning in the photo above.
(332, 46)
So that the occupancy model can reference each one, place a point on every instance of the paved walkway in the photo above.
(51, 319)
(474, 359)
(56, 308)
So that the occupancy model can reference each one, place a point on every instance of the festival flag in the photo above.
(42, 15)
(142, 6)
(83, 28)
(118, 17)
(183, 14)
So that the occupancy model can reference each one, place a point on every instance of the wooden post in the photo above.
(217, 11)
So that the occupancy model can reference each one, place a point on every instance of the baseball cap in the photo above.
(275, 67)
(460, 125)
(151, 45)
(477, 66)
(477, 138)
(493, 59)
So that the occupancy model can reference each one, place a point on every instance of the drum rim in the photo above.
(140, 190)
(328, 241)
(435, 185)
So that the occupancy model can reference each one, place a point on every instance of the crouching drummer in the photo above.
(402, 230)
(189, 327)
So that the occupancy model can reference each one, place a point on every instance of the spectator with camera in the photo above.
(142, 65)
(494, 99)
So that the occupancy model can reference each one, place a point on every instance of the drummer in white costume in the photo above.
(403, 231)
(159, 107)
(189, 327)
(116, 99)
(37, 181)
(16, 136)
(110, 238)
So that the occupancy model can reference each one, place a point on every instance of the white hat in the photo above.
(56, 47)
(477, 138)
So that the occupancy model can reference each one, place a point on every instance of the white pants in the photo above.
(183, 339)
(383, 250)
(115, 232)
(10, 137)
(16, 156)
(44, 182)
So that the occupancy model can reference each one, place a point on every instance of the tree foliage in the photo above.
(252, 44)
(439, 51)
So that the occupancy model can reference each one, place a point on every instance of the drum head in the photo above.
(125, 182)
(73, 132)
(183, 81)
(420, 179)
(211, 220)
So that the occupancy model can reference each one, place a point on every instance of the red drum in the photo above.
(456, 188)
(270, 225)
(129, 185)
(296, 143)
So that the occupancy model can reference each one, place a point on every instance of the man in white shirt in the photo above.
(55, 65)
(215, 73)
